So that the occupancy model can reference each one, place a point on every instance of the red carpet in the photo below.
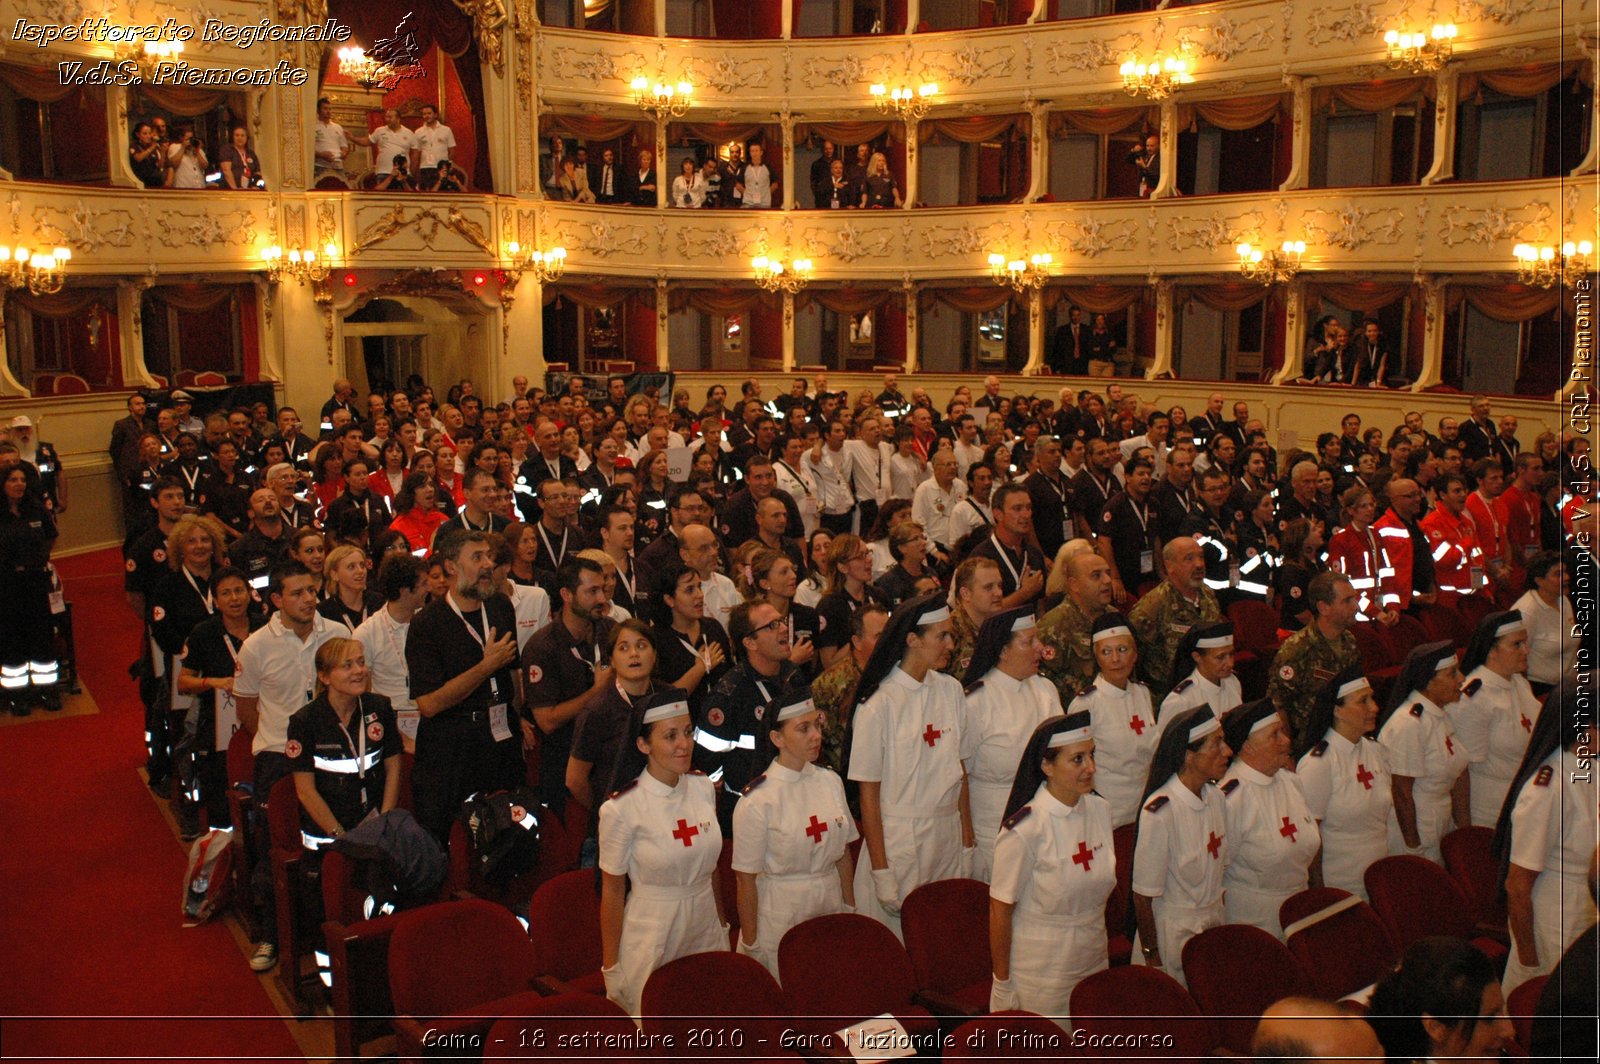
(96, 962)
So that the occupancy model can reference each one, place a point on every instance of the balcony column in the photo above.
(1037, 15)
(786, 124)
(1168, 183)
(786, 24)
(911, 163)
(1036, 342)
(1444, 127)
(663, 187)
(1591, 160)
(663, 322)
(1038, 150)
(909, 287)
(130, 330)
(10, 387)
(788, 332)
(661, 18)
(119, 135)
(1300, 146)
(1162, 363)
(1294, 315)
(1432, 334)
(913, 15)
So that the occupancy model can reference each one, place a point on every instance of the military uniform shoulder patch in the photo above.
(753, 784)
(1230, 786)
(1087, 690)
(695, 772)
(973, 686)
(1543, 776)
(1018, 817)
(1183, 685)
(1416, 710)
(1472, 687)
(1156, 803)
(624, 789)
(1320, 749)
(1286, 673)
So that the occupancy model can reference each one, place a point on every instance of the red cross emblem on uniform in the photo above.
(1363, 777)
(1449, 747)
(816, 829)
(686, 832)
(1137, 725)
(931, 735)
(1213, 845)
(1084, 855)
(1527, 725)
(1288, 830)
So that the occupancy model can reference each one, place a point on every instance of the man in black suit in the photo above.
(1236, 427)
(1068, 353)
(821, 182)
(125, 435)
(1478, 432)
(641, 181)
(605, 179)
(1506, 448)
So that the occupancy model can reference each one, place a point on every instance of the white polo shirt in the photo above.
(331, 141)
(434, 144)
(384, 640)
(387, 143)
(279, 669)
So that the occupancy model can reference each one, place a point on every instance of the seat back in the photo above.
(450, 957)
(1415, 898)
(1255, 626)
(564, 925)
(283, 816)
(680, 997)
(241, 760)
(1337, 939)
(1522, 1005)
(1115, 1004)
(1234, 972)
(1444, 623)
(550, 1027)
(1373, 648)
(1024, 1036)
(946, 927)
(844, 966)
(1117, 903)
(1475, 870)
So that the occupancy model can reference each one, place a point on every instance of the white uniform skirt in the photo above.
(920, 849)
(1052, 954)
(1562, 910)
(1175, 926)
(988, 809)
(1346, 856)
(1258, 908)
(1433, 821)
(784, 901)
(659, 925)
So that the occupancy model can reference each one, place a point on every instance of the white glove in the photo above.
(964, 863)
(1419, 850)
(613, 978)
(1003, 996)
(887, 888)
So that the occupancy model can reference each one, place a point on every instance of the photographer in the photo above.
(399, 178)
(1148, 159)
(451, 178)
(186, 161)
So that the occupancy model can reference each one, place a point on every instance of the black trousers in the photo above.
(270, 768)
(457, 757)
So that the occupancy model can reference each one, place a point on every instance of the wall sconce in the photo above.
(665, 100)
(1270, 267)
(41, 272)
(300, 264)
(544, 265)
(1419, 52)
(903, 101)
(773, 276)
(1021, 274)
(1544, 267)
(1157, 79)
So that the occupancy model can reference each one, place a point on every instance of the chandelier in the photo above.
(363, 69)
(903, 101)
(149, 55)
(773, 276)
(546, 266)
(1156, 79)
(1419, 52)
(1544, 267)
(1271, 267)
(1021, 274)
(301, 264)
(40, 271)
(663, 99)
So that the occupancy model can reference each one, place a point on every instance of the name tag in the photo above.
(499, 724)
(227, 718)
(1147, 562)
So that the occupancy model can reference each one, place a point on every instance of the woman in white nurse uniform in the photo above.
(1345, 778)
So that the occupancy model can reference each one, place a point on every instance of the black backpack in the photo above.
(503, 833)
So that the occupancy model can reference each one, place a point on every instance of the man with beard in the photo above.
(461, 652)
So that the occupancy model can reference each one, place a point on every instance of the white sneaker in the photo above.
(264, 958)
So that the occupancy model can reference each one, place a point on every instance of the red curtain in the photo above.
(639, 327)
(747, 20)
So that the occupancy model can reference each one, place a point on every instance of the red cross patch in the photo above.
(715, 717)
(291, 749)
(535, 674)
(1286, 673)
(760, 712)
(159, 555)
(130, 565)
(518, 814)
(1047, 652)
(157, 614)
(375, 731)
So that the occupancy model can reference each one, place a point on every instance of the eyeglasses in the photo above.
(774, 623)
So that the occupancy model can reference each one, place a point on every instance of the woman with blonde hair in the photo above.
(345, 595)
(879, 189)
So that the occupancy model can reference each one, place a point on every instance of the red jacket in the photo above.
(1364, 560)
(1518, 514)
(1397, 541)
(1457, 561)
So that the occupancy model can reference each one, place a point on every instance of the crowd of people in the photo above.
(984, 638)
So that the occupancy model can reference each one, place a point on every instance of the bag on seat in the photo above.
(398, 864)
(503, 830)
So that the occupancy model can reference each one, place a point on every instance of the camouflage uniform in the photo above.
(1303, 666)
(1159, 621)
(1068, 654)
(828, 691)
(966, 637)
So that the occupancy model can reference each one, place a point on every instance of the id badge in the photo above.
(227, 719)
(1147, 562)
(499, 725)
(1475, 576)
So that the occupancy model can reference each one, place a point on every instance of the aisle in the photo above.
(90, 934)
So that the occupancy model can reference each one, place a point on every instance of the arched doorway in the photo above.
(392, 332)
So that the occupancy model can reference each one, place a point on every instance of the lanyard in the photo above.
(190, 478)
(798, 478)
(625, 577)
(205, 594)
(1005, 558)
(766, 696)
(481, 640)
(1103, 489)
(978, 510)
(557, 558)
(1139, 513)
(360, 746)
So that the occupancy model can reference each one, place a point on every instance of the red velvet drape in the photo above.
(639, 326)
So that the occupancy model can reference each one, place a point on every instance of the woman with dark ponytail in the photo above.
(1427, 766)
(904, 752)
(1054, 866)
(1345, 776)
(1545, 837)
(1494, 716)
(791, 831)
(1180, 849)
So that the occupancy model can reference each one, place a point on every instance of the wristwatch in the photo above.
(1148, 951)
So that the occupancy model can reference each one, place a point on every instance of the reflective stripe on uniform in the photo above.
(346, 765)
(718, 745)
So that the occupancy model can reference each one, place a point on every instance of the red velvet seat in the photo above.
(837, 970)
(1112, 1006)
(241, 769)
(1376, 660)
(1403, 636)
(1475, 870)
(455, 968)
(297, 902)
(1474, 608)
(1445, 623)
(717, 1004)
(1337, 940)
(1416, 898)
(1013, 1035)
(1119, 945)
(358, 960)
(1522, 1005)
(564, 927)
(558, 853)
(946, 926)
(1234, 972)
(552, 1026)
